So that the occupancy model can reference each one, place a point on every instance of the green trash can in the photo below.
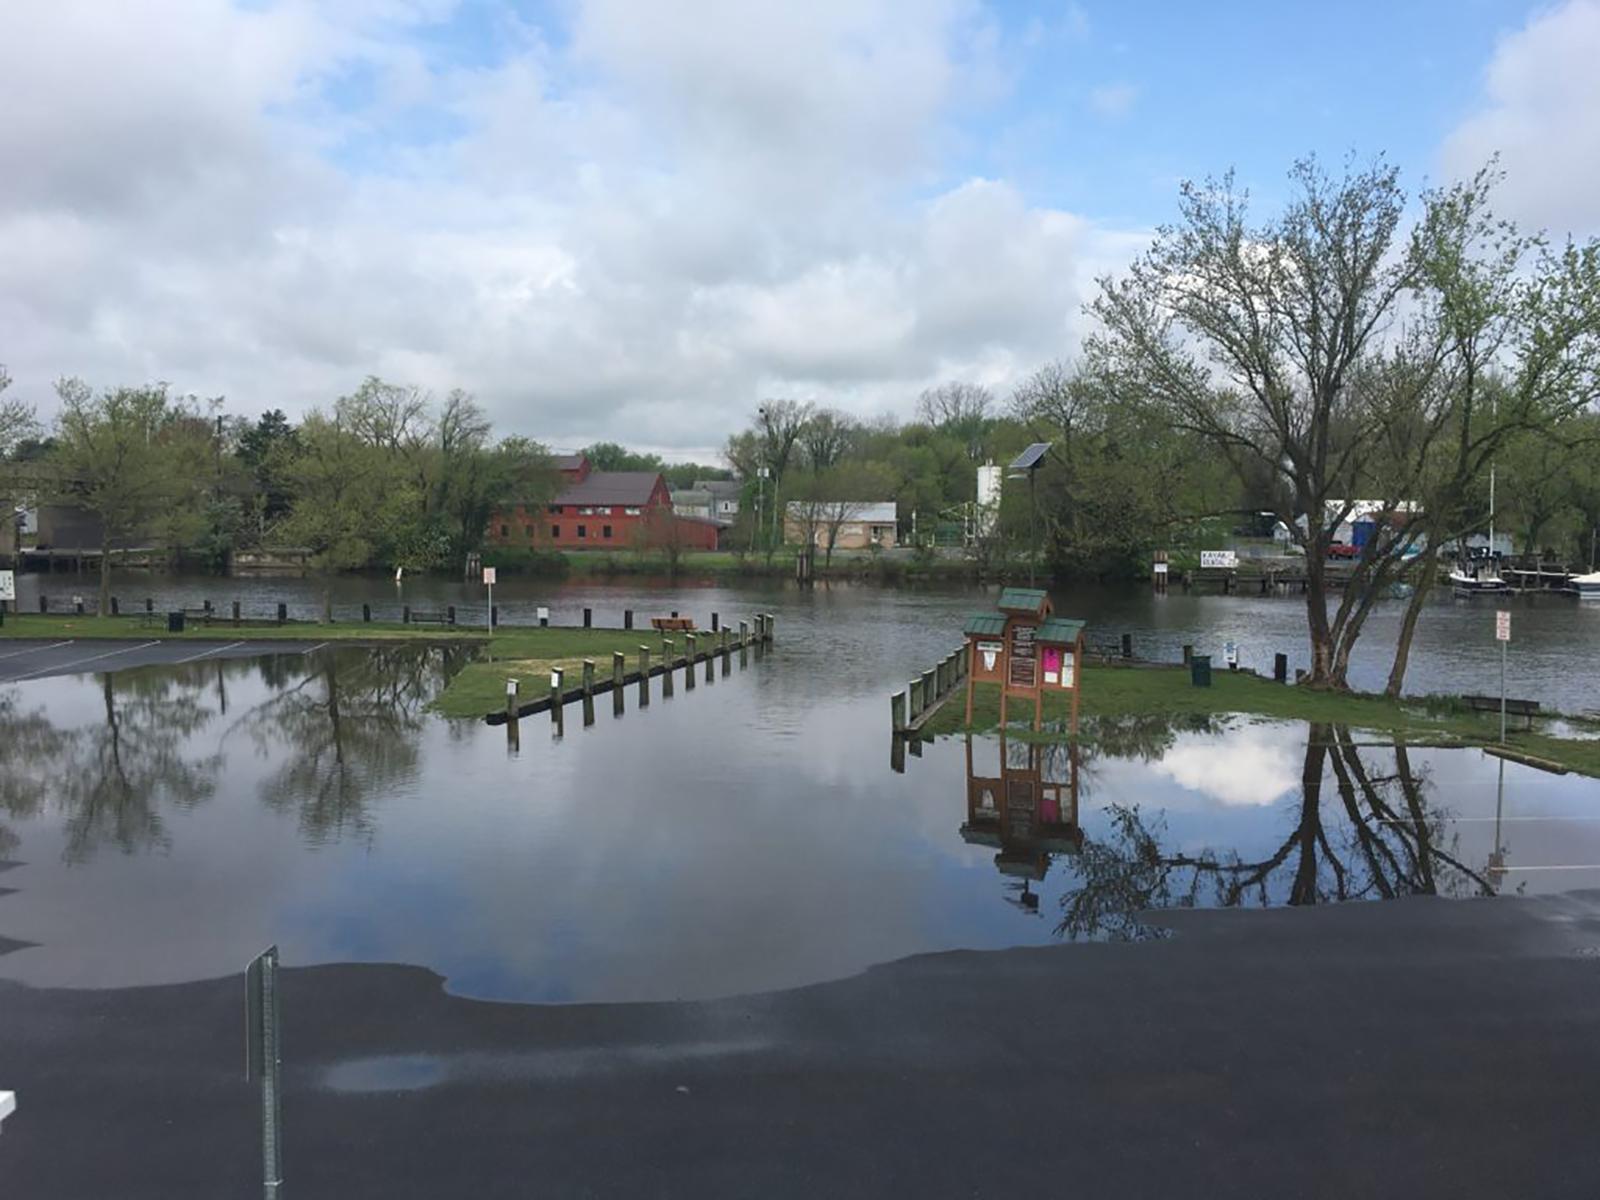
(175, 622)
(1200, 670)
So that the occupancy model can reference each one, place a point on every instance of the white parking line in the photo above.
(63, 668)
(36, 649)
(203, 653)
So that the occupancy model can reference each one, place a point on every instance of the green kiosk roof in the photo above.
(986, 624)
(1023, 600)
(1059, 631)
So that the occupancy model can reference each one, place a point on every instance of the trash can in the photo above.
(175, 622)
(1200, 670)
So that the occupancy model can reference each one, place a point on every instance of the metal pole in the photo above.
(1503, 647)
(489, 616)
(264, 1060)
(1033, 528)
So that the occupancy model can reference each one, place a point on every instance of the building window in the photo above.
(586, 511)
(632, 510)
(605, 531)
(505, 531)
(604, 510)
(555, 531)
(556, 509)
(583, 531)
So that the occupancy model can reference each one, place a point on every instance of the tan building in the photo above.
(852, 525)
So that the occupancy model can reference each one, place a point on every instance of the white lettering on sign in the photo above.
(1502, 626)
(488, 575)
(8, 585)
(1218, 558)
(1161, 568)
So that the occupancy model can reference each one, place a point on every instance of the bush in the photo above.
(526, 560)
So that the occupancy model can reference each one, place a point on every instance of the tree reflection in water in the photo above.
(346, 733)
(342, 723)
(1379, 838)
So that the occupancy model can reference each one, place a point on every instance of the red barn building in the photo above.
(601, 510)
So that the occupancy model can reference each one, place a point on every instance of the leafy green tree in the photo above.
(112, 460)
(609, 456)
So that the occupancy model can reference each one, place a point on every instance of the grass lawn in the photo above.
(61, 626)
(527, 655)
(1119, 691)
(520, 652)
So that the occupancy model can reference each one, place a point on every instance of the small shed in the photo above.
(1025, 649)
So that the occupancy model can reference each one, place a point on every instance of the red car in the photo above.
(1343, 550)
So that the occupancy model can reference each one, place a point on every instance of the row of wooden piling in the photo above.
(754, 634)
(911, 708)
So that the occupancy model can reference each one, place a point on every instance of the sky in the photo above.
(632, 220)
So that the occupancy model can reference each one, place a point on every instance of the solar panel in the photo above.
(1029, 458)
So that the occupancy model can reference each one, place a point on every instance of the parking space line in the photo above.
(203, 653)
(37, 649)
(63, 668)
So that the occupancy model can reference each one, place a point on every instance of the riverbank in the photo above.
(1116, 691)
(526, 653)
(1216, 1062)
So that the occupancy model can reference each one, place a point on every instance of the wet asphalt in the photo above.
(1421, 1047)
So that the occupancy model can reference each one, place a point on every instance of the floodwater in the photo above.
(166, 824)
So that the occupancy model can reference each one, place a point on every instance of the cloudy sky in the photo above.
(634, 219)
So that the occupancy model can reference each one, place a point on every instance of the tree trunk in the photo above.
(1321, 673)
(1408, 627)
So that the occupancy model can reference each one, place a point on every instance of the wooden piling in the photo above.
(588, 679)
(115, 609)
(236, 613)
(511, 700)
(619, 664)
(714, 625)
(366, 612)
(644, 676)
(1127, 645)
(627, 618)
(1280, 668)
(897, 704)
(450, 614)
(149, 604)
(555, 693)
(929, 694)
(283, 612)
(405, 615)
(588, 618)
(1188, 653)
(688, 661)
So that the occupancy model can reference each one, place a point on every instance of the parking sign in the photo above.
(1502, 625)
(8, 585)
(488, 575)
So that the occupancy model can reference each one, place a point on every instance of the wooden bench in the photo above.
(672, 624)
(424, 617)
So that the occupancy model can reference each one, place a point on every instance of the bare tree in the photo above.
(960, 409)
(825, 438)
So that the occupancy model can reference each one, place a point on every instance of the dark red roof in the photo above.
(611, 487)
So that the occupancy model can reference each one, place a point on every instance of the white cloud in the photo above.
(1541, 114)
(636, 236)
(1251, 766)
(1113, 99)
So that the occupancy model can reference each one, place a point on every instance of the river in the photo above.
(165, 824)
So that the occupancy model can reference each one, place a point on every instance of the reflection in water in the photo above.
(1028, 812)
(1376, 837)
(347, 732)
(342, 726)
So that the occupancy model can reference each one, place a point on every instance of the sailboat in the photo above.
(1480, 575)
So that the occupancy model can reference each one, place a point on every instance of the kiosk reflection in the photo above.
(1028, 812)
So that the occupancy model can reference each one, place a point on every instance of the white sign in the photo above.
(990, 652)
(488, 576)
(1218, 558)
(542, 613)
(8, 585)
(1230, 654)
(1068, 661)
(1161, 568)
(1502, 626)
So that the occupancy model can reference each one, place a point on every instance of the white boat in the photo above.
(1480, 578)
(1585, 585)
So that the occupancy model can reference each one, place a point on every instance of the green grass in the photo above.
(1119, 692)
(60, 626)
(527, 655)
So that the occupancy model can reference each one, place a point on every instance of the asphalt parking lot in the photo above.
(24, 660)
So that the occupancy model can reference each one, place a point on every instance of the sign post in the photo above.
(1502, 633)
(264, 1061)
(488, 582)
